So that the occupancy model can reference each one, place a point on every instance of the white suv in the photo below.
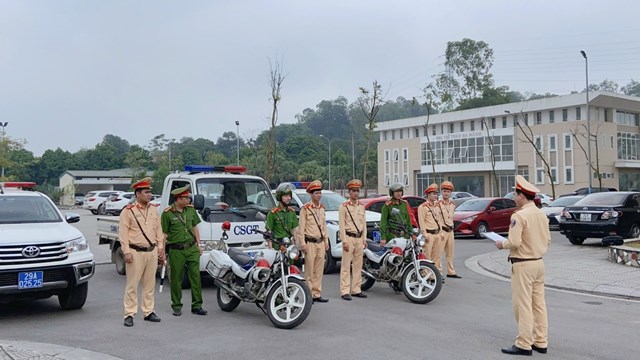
(41, 255)
(95, 201)
(331, 201)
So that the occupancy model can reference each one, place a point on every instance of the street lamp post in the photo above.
(3, 125)
(238, 141)
(169, 146)
(586, 71)
(329, 140)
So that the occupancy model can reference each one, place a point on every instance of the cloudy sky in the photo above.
(73, 71)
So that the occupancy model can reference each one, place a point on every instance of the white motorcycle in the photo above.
(403, 266)
(263, 277)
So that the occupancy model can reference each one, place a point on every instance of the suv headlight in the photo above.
(75, 245)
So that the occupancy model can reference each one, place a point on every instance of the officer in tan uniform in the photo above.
(353, 232)
(528, 241)
(314, 240)
(447, 208)
(428, 220)
(142, 243)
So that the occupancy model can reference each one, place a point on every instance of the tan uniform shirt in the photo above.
(309, 214)
(429, 217)
(529, 235)
(130, 233)
(359, 222)
(448, 207)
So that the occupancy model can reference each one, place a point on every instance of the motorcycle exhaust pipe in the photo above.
(226, 287)
(261, 274)
(368, 274)
(394, 260)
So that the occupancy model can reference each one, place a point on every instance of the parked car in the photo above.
(585, 191)
(537, 200)
(554, 210)
(479, 215)
(117, 202)
(602, 214)
(79, 198)
(95, 201)
(375, 205)
(545, 199)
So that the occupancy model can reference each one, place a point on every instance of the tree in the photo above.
(227, 144)
(120, 145)
(579, 134)
(370, 102)
(490, 96)
(632, 88)
(527, 132)
(9, 160)
(492, 159)
(276, 78)
(605, 85)
(137, 158)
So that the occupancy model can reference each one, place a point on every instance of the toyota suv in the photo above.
(41, 255)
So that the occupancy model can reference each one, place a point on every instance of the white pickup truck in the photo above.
(221, 193)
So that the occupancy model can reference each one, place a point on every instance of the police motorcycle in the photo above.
(263, 277)
(402, 265)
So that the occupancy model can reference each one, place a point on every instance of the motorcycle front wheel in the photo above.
(289, 314)
(425, 290)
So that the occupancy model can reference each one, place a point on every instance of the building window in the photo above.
(417, 132)
(387, 168)
(461, 126)
(578, 115)
(565, 114)
(553, 158)
(626, 118)
(537, 160)
(611, 141)
(433, 130)
(441, 128)
(515, 120)
(493, 123)
(504, 122)
(393, 134)
(405, 166)
(473, 125)
(524, 172)
(538, 118)
(481, 124)
(628, 146)
(567, 158)
(451, 131)
(552, 116)
(401, 134)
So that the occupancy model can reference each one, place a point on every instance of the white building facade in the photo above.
(463, 144)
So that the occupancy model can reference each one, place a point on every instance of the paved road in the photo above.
(471, 319)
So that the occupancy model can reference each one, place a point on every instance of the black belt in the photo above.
(352, 234)
(517, 260)
(447, 228)
(182, 246)
(141, 248)
(434, 232)
(312, 240)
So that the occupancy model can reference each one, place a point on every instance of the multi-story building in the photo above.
(463, 144)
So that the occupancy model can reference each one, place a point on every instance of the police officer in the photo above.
(428, 219)
(142, 243)
(179, 223)
(314, 239)
(282, 220)
(387, 227)
(447, 208)
(353, 232)
(529, 238)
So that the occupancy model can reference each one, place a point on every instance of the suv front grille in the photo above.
(32, 253)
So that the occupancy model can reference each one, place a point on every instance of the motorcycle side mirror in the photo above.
(395, 211)
(260, 216)
(198, 202)
(286, 241)
(416, 231)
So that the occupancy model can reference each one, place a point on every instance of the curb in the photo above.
(477, 260)
(33, 350)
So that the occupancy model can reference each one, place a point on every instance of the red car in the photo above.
(375, 204)
(476, 216)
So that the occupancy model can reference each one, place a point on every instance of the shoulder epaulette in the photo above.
(307, 205)
(346, 203)
(167, 208)
(130, 206)
(156, 205)
(189, 205)
(275, 210)
(388, 202)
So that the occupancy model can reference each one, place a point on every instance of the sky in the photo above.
(74, 71)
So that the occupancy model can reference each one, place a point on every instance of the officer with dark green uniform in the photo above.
(179, 224)
(282, 220)
(387, 228)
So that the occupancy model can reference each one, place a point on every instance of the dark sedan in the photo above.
(602, 214)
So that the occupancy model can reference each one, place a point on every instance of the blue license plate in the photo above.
(376, 236)
(30, 280)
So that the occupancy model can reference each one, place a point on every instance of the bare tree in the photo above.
(526, 130)
(276, 78)
(370, 102)
(430, 104)
(494, 175)
(580, 132)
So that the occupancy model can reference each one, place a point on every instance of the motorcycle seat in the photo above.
(239, 256)
(374, 246)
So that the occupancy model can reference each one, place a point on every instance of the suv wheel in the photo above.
(101, 209)
(118, 259)
(329, 263)
(94, 212)
(575, 240)
(74, 297)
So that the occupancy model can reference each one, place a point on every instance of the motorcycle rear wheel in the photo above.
(421, 292)
(226, 301)
(292, 313)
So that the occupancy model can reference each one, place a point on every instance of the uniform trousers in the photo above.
(179, 260)
(449, 242)
(140, 272)
(529, 307)
(314, 267)
(436, 250)
(351, 266)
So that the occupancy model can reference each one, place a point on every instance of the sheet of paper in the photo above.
(493, 236)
